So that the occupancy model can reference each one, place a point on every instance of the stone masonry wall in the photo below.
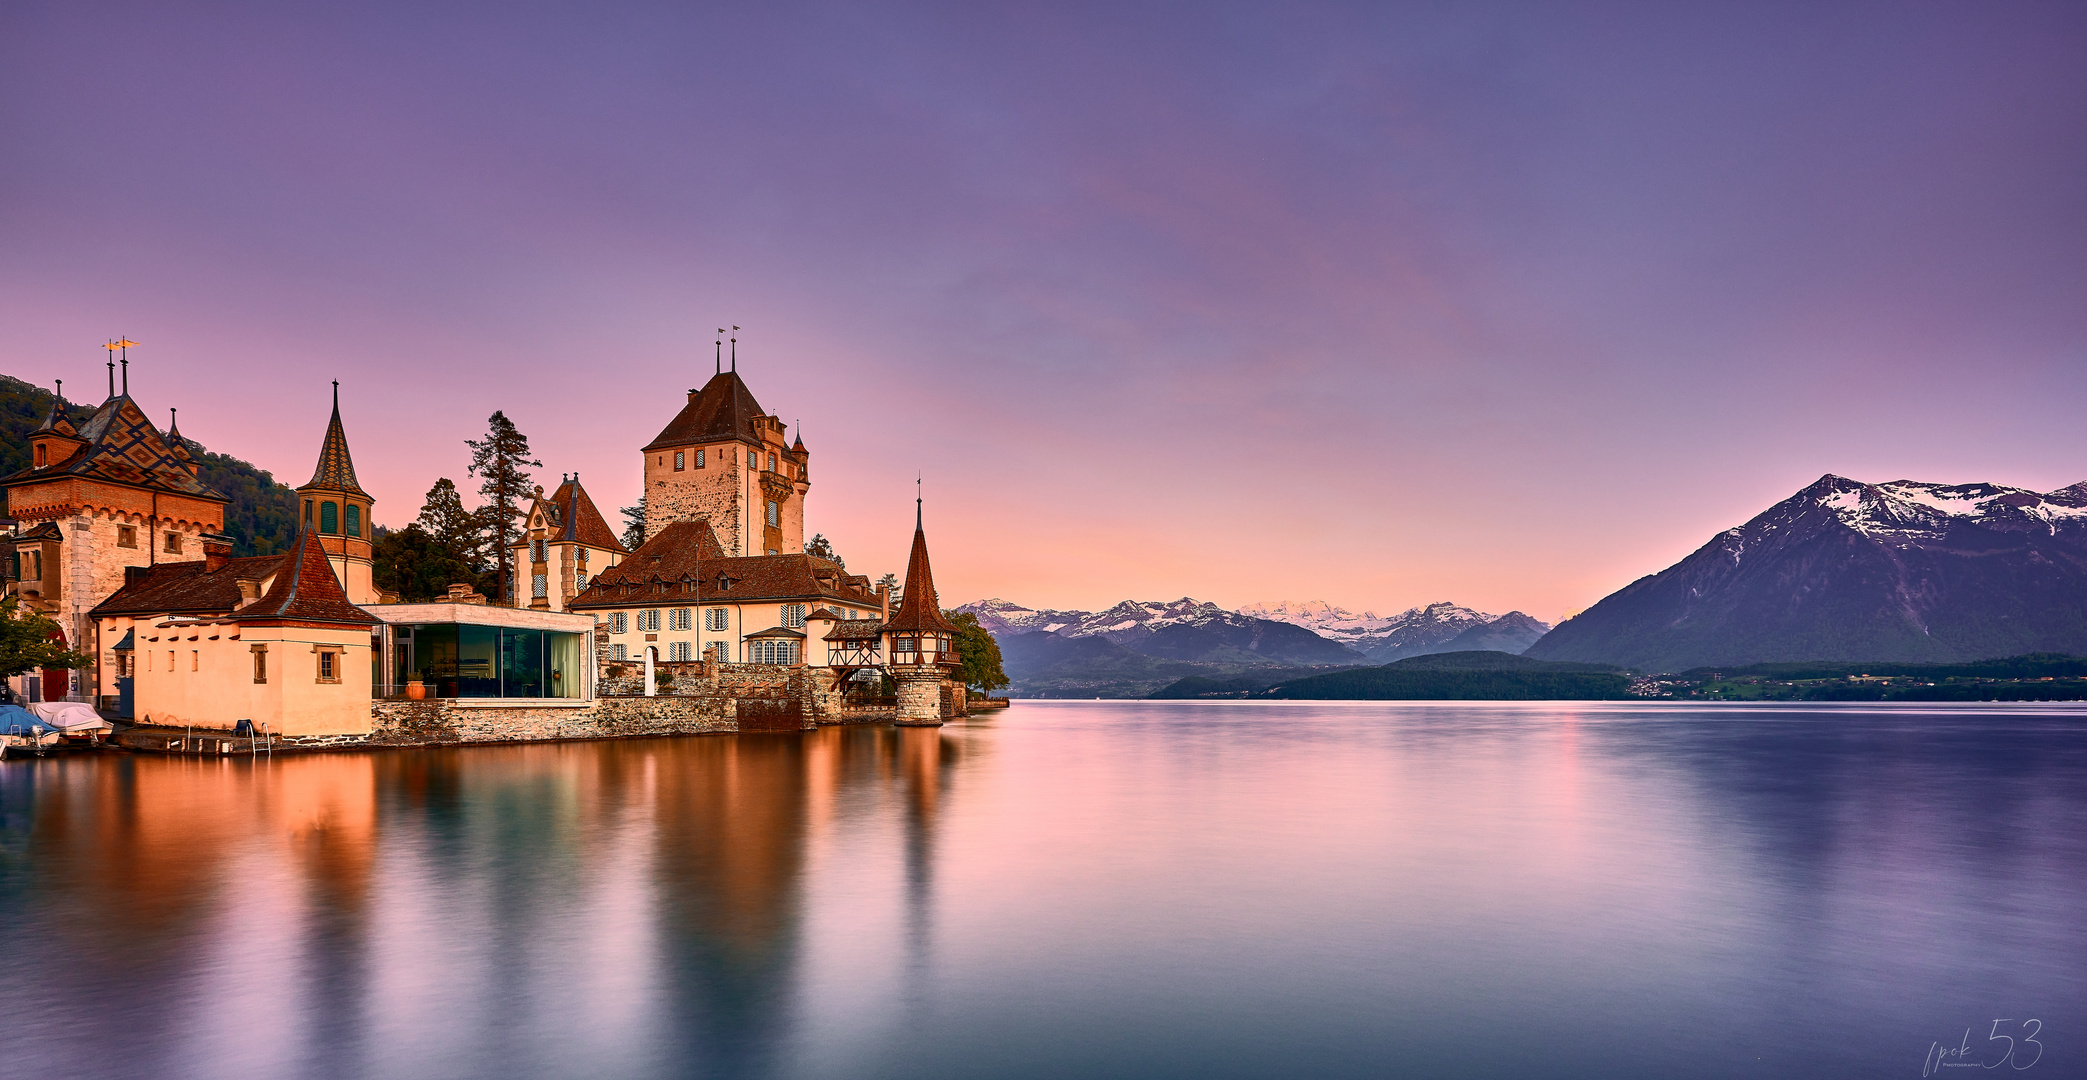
(717, 491)
(437, 723)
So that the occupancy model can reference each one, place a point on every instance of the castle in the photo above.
(718, 616)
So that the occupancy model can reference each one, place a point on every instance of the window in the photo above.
(619, 652)
(579, 580)
(793, 616)
(260, 663)
(648, 620)
(682, 649)
(170, 660)
(579, 556)
(126, 536)
(902, 645)
(539, 551)
(716, 618)
(767, 651)
(173, 544)
(39, 455)
(354, 520)
(329, 517)
(724, 651)
(680, 460)
(195, 659)
(539, 585)
(775, 513)
(329, 664)
(680, 619)
(699, 459)
(771, 463)
(619, 623)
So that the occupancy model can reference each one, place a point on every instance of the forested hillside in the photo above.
(261, 518)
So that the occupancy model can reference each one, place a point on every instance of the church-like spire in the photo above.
(921, 609)
(336, 469)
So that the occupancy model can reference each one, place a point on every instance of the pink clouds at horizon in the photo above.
(1379, 307)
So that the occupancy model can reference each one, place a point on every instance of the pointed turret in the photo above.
(920, 609)
(54, 420)
(178, 446)
(337, 511)
(336, 468)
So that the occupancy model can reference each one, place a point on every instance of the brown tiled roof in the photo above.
(579, 522)
(336, 469)
(687, 560)
(723, 409)
(123, 448)
(921, 609)
(855, 630)
(305, 590)
(186, 588)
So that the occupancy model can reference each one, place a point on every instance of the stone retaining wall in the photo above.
(441, 723)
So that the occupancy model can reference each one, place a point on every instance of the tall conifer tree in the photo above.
(499, 460)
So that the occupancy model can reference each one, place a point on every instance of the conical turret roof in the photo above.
(336, 469)
(921, 608)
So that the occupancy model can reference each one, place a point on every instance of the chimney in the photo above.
(883, 602)
(217, 551)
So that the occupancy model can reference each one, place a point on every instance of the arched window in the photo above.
(329, 517)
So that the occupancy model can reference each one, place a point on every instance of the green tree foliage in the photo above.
(978, 654)
(500, 460)
(261, 519)
(443, 516)
(634, 525)
(27, 642)
(823, 548)
(416, 565)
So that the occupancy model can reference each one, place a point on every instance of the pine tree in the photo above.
(634, 525)
(444, 517)
(823, 548)
(499, 460)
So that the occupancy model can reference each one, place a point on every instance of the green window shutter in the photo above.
(354, 520)
(329, 517)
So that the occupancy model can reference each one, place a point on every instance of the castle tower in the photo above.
(112, 493)
(336, 511)
(920, 643)
(724, 460)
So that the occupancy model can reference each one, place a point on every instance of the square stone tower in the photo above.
(724, 460)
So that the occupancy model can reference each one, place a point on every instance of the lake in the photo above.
(1105, 889)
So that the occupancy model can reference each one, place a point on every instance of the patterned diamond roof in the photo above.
(124, 447)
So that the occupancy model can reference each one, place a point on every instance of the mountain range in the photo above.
(1843, 570)
(1137, 647)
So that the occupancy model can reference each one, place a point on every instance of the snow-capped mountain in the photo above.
(1035, 643)
(1002, 616)
(1385, 638)
(1844, 570)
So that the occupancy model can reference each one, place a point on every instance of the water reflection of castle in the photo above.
(675, 869)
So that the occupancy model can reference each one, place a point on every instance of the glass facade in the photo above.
(462, 660)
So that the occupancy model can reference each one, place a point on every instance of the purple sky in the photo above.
(1379, 305)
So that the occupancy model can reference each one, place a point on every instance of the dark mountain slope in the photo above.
(1850, 571)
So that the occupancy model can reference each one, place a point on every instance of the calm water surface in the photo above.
(1090, 889)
